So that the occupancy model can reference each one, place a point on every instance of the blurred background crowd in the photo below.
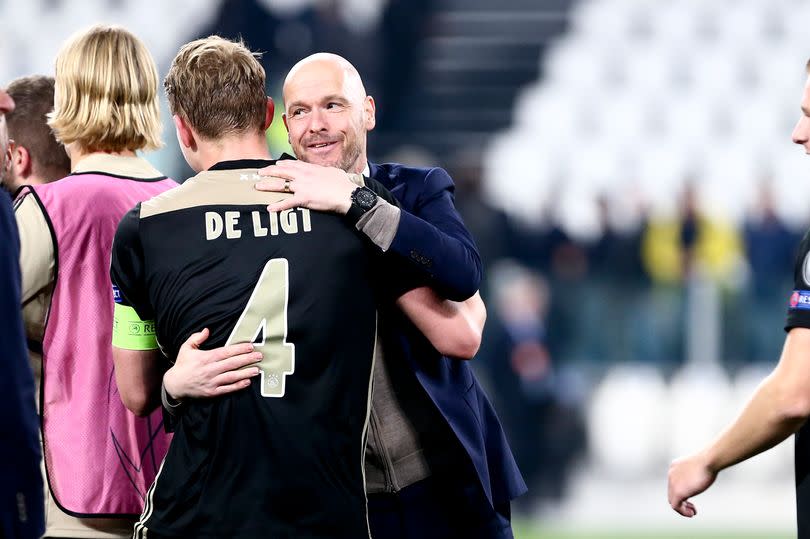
(625, 167)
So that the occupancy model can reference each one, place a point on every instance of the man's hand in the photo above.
(313, 186)
(688, 477)
(210, 373)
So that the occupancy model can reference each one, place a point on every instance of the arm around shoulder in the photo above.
(453, 328)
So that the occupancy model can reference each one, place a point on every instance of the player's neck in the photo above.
(233, 149)
(35, 179)
(77, 154)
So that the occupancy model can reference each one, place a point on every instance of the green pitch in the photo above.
(526, 531)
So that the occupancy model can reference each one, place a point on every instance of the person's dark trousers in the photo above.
(435, 509)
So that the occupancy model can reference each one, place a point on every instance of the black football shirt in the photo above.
(284, 457)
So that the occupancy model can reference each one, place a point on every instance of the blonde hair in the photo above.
(106, 96)
(218, 87)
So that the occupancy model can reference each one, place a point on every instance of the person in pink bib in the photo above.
(99, 457)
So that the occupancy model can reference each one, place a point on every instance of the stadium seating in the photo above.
(636, 99)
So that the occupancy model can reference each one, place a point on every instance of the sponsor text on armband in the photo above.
(130, 332)
(800, 299)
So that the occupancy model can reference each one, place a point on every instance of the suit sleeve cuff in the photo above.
(380, 224)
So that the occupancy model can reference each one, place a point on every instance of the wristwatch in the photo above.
(363, 199)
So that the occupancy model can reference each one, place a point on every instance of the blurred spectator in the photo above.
(550, 248)
(290, 31)
(541, 415)
(691, 248)
(490, 226)
(564, 260)
(688, 228)
(615, 256)
(770, 249)
(404, 26)
(674, 248)
(264, 30)
(769, 246)
(616, 278)
(35, 157)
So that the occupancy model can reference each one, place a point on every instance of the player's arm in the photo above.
(434, 240)
(139, 364)
(453, 328)
(138, 374)
(777, 409)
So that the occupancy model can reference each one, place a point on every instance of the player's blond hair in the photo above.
(106, 96)
(218, 87)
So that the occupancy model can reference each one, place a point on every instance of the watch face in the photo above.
(365, 198)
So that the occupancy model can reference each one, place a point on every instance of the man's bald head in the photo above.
(322, 64)
(327, 112)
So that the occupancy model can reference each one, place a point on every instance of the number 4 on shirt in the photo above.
(264, 323)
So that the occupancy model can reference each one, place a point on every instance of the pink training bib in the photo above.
(100, 458)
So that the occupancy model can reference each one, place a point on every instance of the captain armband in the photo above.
(130, 332)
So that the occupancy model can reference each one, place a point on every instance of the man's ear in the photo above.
(269, 113)
(287, 127)
(369, 113)
(20, 160)
(185, 135)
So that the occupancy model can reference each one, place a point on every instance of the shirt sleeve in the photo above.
(133, 320)
(37, 258)
(798, 315)
(381, 222)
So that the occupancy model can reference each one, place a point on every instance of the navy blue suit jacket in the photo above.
(21, 495)
(432, 237)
